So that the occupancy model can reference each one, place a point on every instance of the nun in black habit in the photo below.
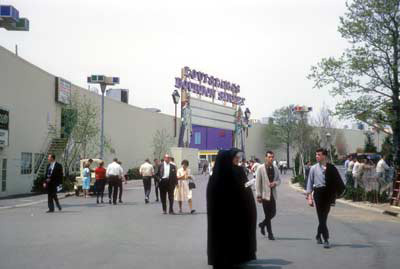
(231, 213)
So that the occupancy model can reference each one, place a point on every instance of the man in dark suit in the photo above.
(168, 181)
(54, 174)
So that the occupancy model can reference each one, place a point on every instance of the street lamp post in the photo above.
(328, 139)
(247, 115)
(175, 98)
(103, 81)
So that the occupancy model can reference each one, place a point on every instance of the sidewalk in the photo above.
(33, 199)
(379, 208)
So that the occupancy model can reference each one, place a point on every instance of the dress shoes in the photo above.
(262, 228)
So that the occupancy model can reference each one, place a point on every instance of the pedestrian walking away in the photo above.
(114, 173)
(182, 191)
(231, 213)
(267, 179)
(157, 177)
(121, 180)
(324, 184)
(146, 170)
(100, 174)
(54, 175)
(167, 184)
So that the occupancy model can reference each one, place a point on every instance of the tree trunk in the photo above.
(288, 155)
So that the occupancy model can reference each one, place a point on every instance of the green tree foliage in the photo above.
(281, 130)
(387, 147)
(366, 75)
(369, 144)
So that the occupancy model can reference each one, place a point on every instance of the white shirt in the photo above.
(114, 169)
(255, 166)
(382, 166)
(350, 166)
(166, 170)
(146, 170)
(357, 169)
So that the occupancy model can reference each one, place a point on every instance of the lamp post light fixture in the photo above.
(175, 98)
(10, 20)
(103, 81)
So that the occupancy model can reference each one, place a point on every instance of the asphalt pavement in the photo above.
(137, 235)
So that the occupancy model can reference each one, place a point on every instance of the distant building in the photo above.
(121, 95)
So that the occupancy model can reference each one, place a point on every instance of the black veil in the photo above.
(231, 213)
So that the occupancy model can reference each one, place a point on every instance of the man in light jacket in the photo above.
(267, 179)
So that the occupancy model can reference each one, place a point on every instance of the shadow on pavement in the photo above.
(265, 263)
(291, 239)
(351, 246)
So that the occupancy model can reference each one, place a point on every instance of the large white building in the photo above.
(28, 100)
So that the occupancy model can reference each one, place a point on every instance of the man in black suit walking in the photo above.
(168, 181)
(54, 174)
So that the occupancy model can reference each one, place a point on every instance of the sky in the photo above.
(265, 46)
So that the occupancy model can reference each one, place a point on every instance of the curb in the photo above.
(65, 195)
(342, 201)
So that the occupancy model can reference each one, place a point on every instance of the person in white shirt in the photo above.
(381, 170)
(349, 171)
(146, 170)
(114, 173)
(168, 182)
(356, 172)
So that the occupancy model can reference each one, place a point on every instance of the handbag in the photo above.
(192, 185)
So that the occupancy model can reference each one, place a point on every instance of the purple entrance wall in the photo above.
(210, 138)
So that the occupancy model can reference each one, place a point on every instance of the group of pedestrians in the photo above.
(172, 183)
(356, 167)
(231, 208)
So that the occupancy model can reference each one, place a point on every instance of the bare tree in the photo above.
(84, 139)
(325, 123)
(162, 142)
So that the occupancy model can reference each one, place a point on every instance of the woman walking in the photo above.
(86, 180)
(100, 174)
(182, 191)
(231, 213)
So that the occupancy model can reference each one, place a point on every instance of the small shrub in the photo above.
(133, 173)
(299, 179)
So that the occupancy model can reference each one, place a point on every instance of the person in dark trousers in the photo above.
(54, 175)
(168, 183)
(156, 178)
(146, 170)
(100, 174)
(267, 179)
(121, 179)
(231, 214)
(114, 173)
(325, 184)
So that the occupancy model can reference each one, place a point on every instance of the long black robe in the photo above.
(231, 213)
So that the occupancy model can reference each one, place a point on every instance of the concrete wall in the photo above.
(29, 94)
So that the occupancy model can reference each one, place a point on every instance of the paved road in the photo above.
(135, 235)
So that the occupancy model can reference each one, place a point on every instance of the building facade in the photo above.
(28, 95)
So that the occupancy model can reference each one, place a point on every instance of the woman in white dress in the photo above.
(182, 191)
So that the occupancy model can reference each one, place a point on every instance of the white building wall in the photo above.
(29, 94)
